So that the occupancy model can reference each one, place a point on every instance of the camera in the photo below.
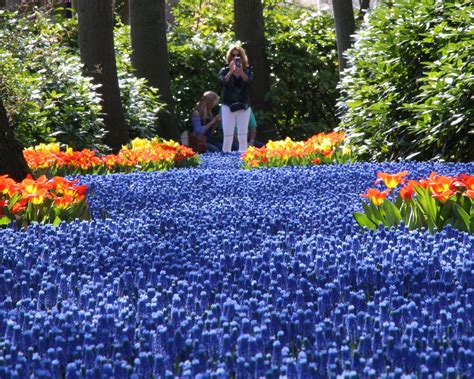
(237, 61)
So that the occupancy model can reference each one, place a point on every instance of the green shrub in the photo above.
(45, 92)
(197, 43)
(42, 86)
(139, 100)
(303, 59)
(301, 52)
(409, 91)
(194, 68)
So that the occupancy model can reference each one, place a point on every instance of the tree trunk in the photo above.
(250, 29)
(364, 7)
(345, 27)
(96, 40)
(150, 56)
(12, 161)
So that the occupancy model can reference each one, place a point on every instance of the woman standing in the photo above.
(235, 79)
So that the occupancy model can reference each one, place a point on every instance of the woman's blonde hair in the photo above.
(243, 55)
(208, 101)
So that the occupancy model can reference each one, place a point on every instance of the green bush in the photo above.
(194, 68)
(409, 90)
(45, 92)
(197, 43)
(42, 86)
(303, 59)
(139, 100)
(301, 52)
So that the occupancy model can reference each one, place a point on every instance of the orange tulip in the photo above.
(62, 202)
(423, 183)
(19, 206)
(6, 184)
(392, 180)
(439, 184)
(443, 196)
(375, 196)
(466, 181)
(34, 187)
(407, 192)
(37, 197)
(469, 193)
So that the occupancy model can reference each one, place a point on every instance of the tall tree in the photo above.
(12, 161)
(250, 29)
(96, 40)
(150, 56)
(345, 27)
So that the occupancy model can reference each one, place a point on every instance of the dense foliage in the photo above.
(301, 51)
(303, 61)
(196, 53)
(45, 92)
(42, 85)
(51, 100)
(409, 92)
(181, 274)
(140, 101)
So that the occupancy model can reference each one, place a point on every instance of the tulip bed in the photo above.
(322, 148)
(217, 272)
(431, 203)
(41, 200)
(140, 155)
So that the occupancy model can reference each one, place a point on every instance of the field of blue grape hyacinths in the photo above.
(220, 272)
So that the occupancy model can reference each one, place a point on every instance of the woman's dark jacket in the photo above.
(236, 89)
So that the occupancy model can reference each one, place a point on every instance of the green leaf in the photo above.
(463, 217)
(446, 212)
(372, 212)
(4, 220)
(56, 221)
(363, 220)
(427, 206)
(392, 212)
(13, 200)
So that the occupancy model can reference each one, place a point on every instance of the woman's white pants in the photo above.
(232, 120)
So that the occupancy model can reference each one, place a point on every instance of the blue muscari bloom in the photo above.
(167, 283)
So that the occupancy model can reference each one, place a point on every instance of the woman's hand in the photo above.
(232, 68)
(238, 71)
(214, 122)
